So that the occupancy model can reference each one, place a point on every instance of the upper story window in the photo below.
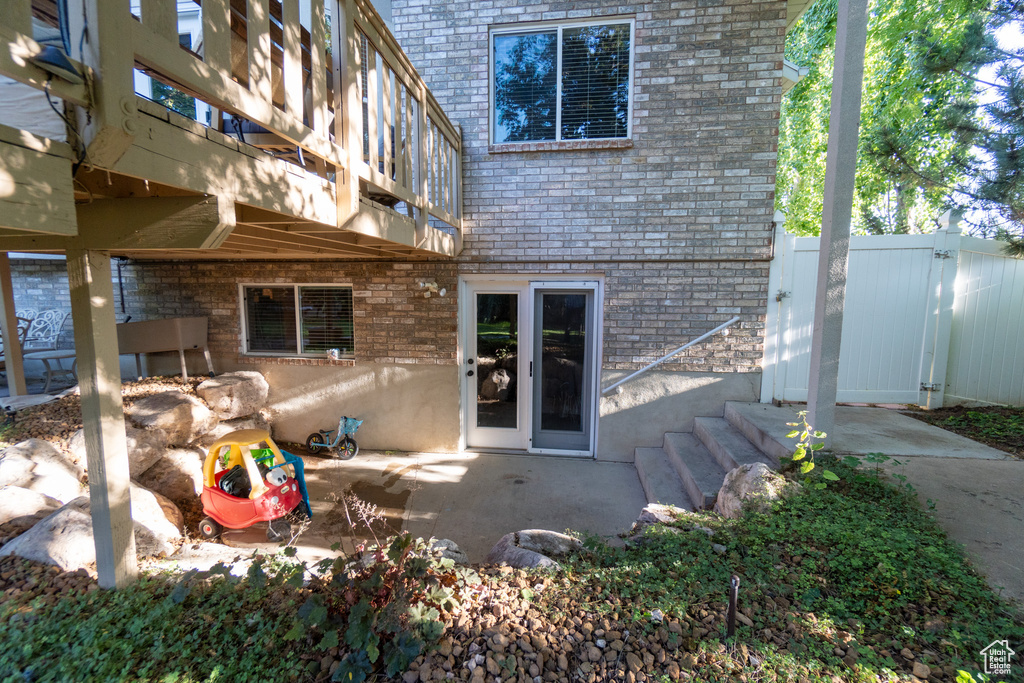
(297, 320)
(562, 82)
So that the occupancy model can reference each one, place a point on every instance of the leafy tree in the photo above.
(986, 172)
(896, 93)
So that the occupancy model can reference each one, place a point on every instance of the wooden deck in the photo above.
(347, 155)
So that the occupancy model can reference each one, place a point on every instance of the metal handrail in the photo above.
(664, 358)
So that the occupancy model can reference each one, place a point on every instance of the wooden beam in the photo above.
(99, 376)
(13, 361)
(155, 223)
(36, 192)
(173, 156)
(138, 224)
(16, 49)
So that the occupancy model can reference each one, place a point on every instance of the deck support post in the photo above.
(13, 360)
(99, 376)
(833, 257)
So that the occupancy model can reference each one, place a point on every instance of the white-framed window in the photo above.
(297, 320)
(561, 82)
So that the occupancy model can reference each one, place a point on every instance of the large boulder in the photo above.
(17, 502)
(235, 394)
(184, 418)
(257, 421)
(753, 486)
(38, 466)
(532, 548)
(178, 475)
(65, 537)
(145, 448)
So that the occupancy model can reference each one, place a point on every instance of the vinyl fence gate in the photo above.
(930, 320)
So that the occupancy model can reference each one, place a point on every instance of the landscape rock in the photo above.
(656, 513)
(450, 550)
(37, 466)
(751, 486)
(178, 475)
(259, 420)
(184, 418)
(145, 448)
(532, 548)
(495, 386)
(235, 394)
(18, 502)
(65, 538)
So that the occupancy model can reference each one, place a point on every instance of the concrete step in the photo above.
(659, 480)
(700, 473)
(764, 425)
(728, 446)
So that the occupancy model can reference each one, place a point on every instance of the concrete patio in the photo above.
(471, 498)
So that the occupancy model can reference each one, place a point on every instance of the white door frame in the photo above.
(529, 284)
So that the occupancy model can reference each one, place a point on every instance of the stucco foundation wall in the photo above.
(407, 408)
(658, 402)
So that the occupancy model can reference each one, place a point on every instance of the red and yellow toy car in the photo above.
(248, 479)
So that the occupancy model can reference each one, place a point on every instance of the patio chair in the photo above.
(44, 331)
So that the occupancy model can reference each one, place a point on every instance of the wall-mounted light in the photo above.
(432, 288)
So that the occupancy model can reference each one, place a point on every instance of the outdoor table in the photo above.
(55, 355)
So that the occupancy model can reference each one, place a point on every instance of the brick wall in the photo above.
(394, 323)
(679, 218)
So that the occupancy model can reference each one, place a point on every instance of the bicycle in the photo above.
(346, 446)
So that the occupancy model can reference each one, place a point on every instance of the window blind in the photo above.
(595, 81)
(326, 319)
(270, 319)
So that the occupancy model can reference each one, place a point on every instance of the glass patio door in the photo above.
(563, 368)
(492, 368)
(529, 366)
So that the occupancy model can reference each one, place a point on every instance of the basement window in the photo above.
(297, 320)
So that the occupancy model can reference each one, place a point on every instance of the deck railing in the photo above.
(356, 108)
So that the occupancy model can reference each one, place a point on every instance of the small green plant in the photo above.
(806, 448)
(385, 603)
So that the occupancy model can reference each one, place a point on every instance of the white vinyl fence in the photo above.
(929, 319)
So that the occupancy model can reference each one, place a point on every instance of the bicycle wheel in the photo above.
(314, 442)
(347, 449)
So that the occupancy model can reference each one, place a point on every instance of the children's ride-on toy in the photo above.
(248, 479)
(346, 447)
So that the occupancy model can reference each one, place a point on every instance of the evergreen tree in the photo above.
(986, 174)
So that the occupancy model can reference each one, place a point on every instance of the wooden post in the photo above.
(294, 88)
(99, 376)
(422, 167)
(457, 212)
(257, 26)
(833, 259)
(109, 126)
(12, 340)
(348, 107)
(217, 39)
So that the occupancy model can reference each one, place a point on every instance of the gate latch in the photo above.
(926, 386)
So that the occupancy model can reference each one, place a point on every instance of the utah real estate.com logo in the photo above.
(997, 658)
